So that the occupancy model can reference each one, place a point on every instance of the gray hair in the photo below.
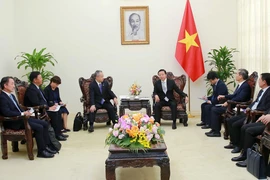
(243, 73)
(97, 73)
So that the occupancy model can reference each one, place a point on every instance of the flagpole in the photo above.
(189, 114)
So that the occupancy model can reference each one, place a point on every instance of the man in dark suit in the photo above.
(219, 88)
(100, 96)
(9, 107)
(249, 132)
(262, 103)
(34, 96)
(241, 94)
(163, 93)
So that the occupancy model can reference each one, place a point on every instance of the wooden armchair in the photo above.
(252, 80)
(265, 144)
(181, 105)
(16, 135)
(101, 114)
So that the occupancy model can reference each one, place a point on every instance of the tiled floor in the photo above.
(193, 156)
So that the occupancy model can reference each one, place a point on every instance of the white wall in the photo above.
(7, 38)
(84, 36)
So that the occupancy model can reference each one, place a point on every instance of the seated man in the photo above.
(219, 88)
(249, 132)
(100, 96)
(9, 107)
(241, 94)
(163, 93)
(262, 103)
(34, 96)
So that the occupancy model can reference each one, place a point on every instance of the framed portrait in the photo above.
(134, 24)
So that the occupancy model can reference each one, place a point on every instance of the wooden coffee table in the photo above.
(120, 157)
(134, 105)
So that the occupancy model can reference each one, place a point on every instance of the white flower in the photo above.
(121, 136)
(157, 136)
(110, 130)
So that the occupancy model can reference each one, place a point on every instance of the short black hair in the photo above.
(243, 73)
(266, 77)
(212, 75)
(33, 75)
(56, 79)
(5, 80)
(162, 70)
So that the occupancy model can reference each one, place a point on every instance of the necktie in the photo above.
(259, 96)
(213, 95)
(42, 94)
(256, 103)
(14, 102)
(164, 88)
(100, 87)
(236, 88)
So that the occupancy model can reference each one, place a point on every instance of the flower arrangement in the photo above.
(135, 89)
(135, 132)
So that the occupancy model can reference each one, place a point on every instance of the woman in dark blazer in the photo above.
(53, 97)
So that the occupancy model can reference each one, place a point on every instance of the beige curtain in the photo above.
(254, 35)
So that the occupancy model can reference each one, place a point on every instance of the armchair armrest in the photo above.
(241, 106)
(14, 118)
(236, 102)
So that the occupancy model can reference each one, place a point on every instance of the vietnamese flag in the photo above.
(188, 48)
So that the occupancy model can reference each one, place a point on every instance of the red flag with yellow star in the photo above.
(188, 48)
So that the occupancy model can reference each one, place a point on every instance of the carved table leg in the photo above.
(4, 148)
(110, 170)
(148, 110)
(164, 169)
(121, 111)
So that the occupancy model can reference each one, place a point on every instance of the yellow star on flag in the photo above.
(189, 40)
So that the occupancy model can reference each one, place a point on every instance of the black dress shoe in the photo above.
(174, 125)
(206, 127)
(45, 154)
(209, 132)
(85, 126)
(185, 124)
(91, 129)
(200, 124)
(61, 138)
(230, 146)
(242, 157)
(108, 123)
(242, 164)
(65, 135)
(67, 130)
(236, 150)
(214, 134)
(50, 150)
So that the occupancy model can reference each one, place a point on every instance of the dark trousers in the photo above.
(160, 104)
(234, 127)
(249, 133)
(215, 122)
(268, 170)
(110, 109)
(206, 110)
(40, 129)
(56, 122)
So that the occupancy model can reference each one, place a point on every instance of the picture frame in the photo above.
(134, 25)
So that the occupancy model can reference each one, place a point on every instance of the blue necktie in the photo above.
(100, 88)
(14, 102)
(42, 94)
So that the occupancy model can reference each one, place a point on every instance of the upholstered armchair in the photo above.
(252, 80)
(101, 114)
(181, 105)
(15, 136)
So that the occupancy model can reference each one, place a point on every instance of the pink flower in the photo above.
(115, 133)
(149, 137)
(157, 136)
(154, 129)
(116, 126)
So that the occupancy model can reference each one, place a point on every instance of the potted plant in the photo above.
(37, 61)
(220, 60)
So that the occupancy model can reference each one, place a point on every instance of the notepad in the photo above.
(218, 104)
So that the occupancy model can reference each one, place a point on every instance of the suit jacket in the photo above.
(8, 109)
(220, 89)
(33, 96)
(96, 96)
(242, 94)
(170, 87)
(264, 103)
(49, 95)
